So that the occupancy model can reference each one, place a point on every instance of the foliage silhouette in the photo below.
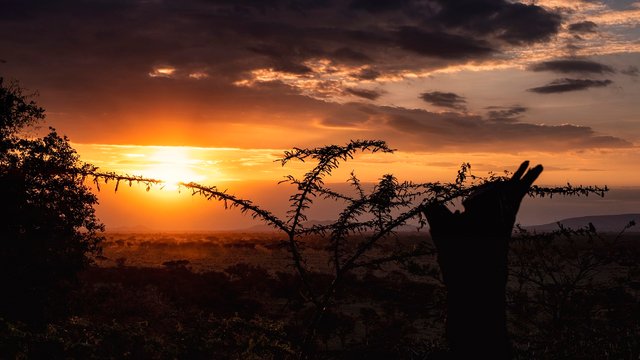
(17, 109)
(49, 231)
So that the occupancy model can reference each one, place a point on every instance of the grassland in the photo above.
(236, 295)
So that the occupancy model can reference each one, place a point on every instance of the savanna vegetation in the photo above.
(567, 294)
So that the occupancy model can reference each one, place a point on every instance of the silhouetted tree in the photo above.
(16, 111)
(48, 229)
(472, 254)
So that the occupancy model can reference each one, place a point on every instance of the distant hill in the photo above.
(602, 223)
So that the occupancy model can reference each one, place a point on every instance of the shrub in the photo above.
(49, 229)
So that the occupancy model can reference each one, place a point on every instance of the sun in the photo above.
(172, 165)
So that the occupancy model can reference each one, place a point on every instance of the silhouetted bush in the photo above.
(48, 227)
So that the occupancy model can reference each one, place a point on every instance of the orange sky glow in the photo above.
(254, 174)
(215, 92)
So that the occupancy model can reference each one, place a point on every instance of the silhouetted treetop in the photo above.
(17, 109)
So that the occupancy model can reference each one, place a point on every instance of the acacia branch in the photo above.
(209, 192)
(230, 201)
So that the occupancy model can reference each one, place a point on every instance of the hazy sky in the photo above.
(219, 88)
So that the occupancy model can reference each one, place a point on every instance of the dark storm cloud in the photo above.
(442, 45)
(444, 99)
(505, 113)
(583, 27)
(225, 36)
(513, 22)
(566, 85)
(364, 93)
(573, 66)
(349, 55)
(378, 6)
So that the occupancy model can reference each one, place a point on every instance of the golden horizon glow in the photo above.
(175, 164)
(214, 166)
(252, 174)
(171, 165)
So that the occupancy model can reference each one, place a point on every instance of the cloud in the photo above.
(281, 60)
(505, 113)
(459, 132)
(348, 55)
(366, 74)
(364, 93)
(378, 6)
(572, 66)
(248, 70)
(566, 85)
(506, 21)
(163, 71)
(198, 75)
(444, 99)
(513, 22)
(423, 130)
(442, 45)
(583, 27)
(226, 35)
(631, 71)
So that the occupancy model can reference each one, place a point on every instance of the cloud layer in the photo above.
(500, 130)
(583, 27)
(505, 113)
(238, 73)
(230, 38)
(444, 99)
(566, 85)
(566, 66)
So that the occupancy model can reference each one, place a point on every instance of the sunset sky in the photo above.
(214, 91)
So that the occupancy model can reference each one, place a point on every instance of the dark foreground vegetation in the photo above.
(571, 295)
